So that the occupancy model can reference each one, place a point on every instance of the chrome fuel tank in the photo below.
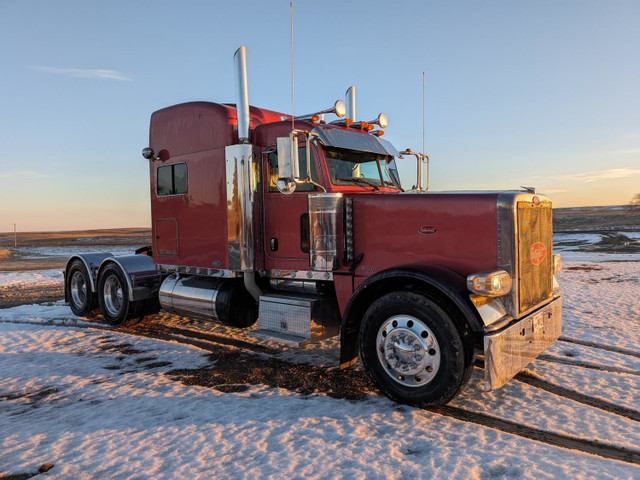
(192, 296)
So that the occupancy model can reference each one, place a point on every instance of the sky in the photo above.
(536, 93)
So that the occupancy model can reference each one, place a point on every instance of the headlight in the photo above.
(493, 284)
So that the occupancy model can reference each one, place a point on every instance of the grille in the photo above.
(535, 254)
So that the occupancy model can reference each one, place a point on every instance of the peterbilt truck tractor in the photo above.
(301, 225)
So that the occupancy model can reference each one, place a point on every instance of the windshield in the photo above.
(351, 167)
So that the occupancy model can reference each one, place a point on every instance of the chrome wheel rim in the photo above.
(408, 351)
(113, 297)
(78, 289)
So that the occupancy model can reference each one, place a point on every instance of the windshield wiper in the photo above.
(361, 181)
(393, 184)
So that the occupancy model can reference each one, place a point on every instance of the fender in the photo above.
(443, 285)
(92, 262)
(140, 273)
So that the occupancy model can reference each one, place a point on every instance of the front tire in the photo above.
(413, 351)
(113, 297)
(78, 286)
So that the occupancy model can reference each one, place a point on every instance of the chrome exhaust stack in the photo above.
(351, 103)
(242, 94)
(241, 192)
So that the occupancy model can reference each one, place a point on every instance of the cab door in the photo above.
(286, 217)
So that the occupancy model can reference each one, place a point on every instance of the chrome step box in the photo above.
(296, 319)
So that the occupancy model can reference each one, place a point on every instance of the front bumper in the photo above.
(510, 350)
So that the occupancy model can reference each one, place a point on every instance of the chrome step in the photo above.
(296, 320)
(291, 340)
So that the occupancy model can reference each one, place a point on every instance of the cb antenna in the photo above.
(423, 126)
(292, 84)
(423, 102)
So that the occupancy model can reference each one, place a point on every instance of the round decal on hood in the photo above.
(537, 252)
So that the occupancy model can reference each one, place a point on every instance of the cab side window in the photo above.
(171, 179)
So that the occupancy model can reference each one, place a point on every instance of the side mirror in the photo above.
(288, 164)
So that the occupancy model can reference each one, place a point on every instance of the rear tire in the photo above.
(413, 351)
(113, 296)
(78, 287)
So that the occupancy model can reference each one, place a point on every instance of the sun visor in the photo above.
(353, 140)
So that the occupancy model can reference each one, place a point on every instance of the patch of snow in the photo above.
(32, 278)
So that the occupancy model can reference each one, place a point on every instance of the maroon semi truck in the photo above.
(302, 225)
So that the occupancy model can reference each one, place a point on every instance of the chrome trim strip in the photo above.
(198, 271)
(498, 325)
(298, 274)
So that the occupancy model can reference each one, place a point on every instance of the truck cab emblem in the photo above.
(428, 230)
(538, 251)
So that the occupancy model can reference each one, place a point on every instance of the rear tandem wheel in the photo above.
(78, 287)
(113, 296)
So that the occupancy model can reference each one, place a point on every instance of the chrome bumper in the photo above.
(510, 350)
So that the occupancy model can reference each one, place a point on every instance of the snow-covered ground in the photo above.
(33, 278)
(97, 404)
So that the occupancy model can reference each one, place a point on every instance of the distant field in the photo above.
(594, 220)
(85, 237)
(45, 250)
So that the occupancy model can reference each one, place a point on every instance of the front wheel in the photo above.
(413, 351)
(113, 297)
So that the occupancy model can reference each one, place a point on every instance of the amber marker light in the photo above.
(493, 284)
(557, 263)
(348, 122)
(377, 133)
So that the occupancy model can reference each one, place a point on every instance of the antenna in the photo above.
(423, 127)
(293, 117)
(423, 101)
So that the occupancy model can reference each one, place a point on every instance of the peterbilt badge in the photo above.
(427, 230)
(537, 252)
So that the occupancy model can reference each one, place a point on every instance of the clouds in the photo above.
(597, 175)
(91, 73)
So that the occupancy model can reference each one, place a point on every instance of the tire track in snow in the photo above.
(537, 382)
(304, 371)
(589, 365)
(608, 407)
(554, 439)
(600, 346)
